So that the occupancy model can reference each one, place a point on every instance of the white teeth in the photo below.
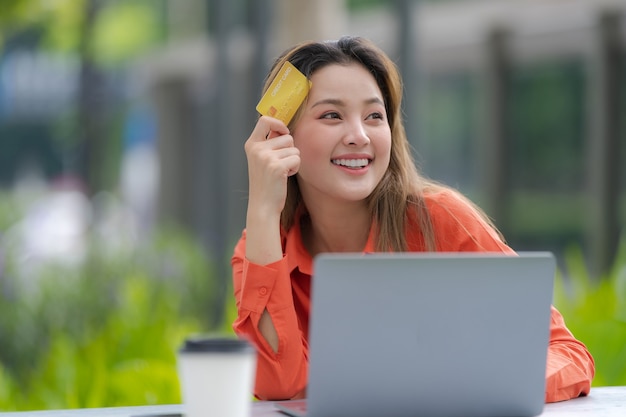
(351, 163)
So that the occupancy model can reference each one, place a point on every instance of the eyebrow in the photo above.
(339, 102)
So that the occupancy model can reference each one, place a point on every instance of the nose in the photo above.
(356, 134)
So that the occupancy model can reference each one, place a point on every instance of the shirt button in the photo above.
(263, 291)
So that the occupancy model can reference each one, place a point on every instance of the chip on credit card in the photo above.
(285, 94)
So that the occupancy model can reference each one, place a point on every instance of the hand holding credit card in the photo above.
(285, 94)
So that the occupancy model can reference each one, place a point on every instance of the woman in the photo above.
(340, 178)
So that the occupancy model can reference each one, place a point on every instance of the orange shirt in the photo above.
(283, 288)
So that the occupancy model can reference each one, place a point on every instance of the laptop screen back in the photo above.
(429, 334)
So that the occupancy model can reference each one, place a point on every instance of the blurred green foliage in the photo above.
(105, 333)
(122, 30)
(595, 311)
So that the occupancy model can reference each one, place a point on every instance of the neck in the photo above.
(336, 230)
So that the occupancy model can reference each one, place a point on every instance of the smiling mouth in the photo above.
(351, 163)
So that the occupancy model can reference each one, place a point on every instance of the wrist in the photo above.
(265, 216)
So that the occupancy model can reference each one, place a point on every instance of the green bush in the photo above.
(595, 311)
(104, 333)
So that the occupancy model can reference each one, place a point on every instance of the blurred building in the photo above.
(547, 137)
(518, 103)
(36, 88)
(515, 102)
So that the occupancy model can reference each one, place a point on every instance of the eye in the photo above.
(376, 115)
(330, 115)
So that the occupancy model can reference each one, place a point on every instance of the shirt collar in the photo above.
(297, 255)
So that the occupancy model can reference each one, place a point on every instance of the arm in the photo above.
(270, 162)
(265, 311)
(265, 291)
(570, 366)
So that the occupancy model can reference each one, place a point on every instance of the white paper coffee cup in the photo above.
(216, 376)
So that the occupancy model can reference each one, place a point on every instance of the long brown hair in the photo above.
(402, 188)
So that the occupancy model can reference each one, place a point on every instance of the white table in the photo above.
(602, 402)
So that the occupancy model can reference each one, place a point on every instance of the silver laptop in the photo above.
(428, 334)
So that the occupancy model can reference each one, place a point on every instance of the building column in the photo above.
(493, 159)
(305, 20)
(603, 149)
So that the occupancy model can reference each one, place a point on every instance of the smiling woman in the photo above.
(340, 178)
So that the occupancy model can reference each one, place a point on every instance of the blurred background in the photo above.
(123, 179)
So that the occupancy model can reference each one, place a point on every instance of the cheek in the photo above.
(311, 155)
(310, 146)
(384, 145)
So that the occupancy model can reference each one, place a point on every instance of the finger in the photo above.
(268, 127)
(272, 134)
(290, 164)
(279, 142)
(286, 152)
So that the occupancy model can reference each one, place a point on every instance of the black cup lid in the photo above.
(201, 344)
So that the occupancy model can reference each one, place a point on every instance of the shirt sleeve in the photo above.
(458, 227)
(280, 375)
(570, 367)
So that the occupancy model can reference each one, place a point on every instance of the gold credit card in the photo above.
(285, 94)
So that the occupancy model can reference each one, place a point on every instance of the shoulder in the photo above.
(447, 203)
(459, 224)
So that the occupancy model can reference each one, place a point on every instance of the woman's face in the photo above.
(343, 135)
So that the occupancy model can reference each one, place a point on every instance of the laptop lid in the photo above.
(430, 334)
